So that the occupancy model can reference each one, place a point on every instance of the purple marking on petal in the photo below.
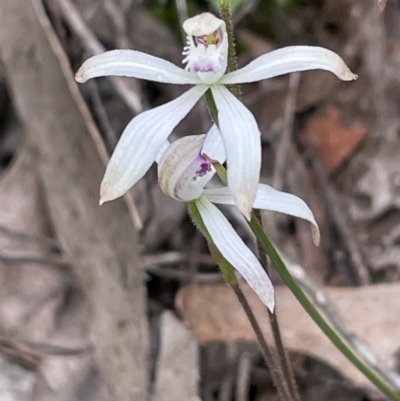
(203, 66)
(204, 168)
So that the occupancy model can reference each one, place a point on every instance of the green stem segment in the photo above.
(270, 250)
(287, 369)
(226, 15)
(228, 272)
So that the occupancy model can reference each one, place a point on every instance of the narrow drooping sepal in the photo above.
(141, 141)
(268, 198)
(131, 63)
(235, 251)
(242, 142)
(287, 60)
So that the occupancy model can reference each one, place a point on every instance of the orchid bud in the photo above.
(183, 171)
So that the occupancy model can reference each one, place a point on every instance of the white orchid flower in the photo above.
(183, 172)
(206, 63)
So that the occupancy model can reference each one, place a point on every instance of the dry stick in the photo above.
(47, 241)
(45, 348)
(54, 261)
(183, 15)
(243, 377)
(277, 182)
(284, 144)
(226, 387)
(283, 378)
(92, 45)
(118, 19)
(104, 122)
(168, 258)
(322, 301)
(247, 7)
(187, 277)
(273, 320)
(340, 219)
(275, 371)
(129, 97)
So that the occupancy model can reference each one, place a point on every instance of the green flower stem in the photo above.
(212, 107)
(276, 332)
(270, 250)
(226, 15)
(228, 272)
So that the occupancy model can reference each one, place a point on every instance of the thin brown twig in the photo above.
(104, 122)
(93, 46)
(183, 15)
(247, 8)
(118, 19)
(276, 372)
(243, 376)
(284, 360)
(340, 219)
(53, 261)
(322, 301)
(47, 241)
(228, 381)
(285, 138)
(184, 276)
(167, 258)
(44, 348)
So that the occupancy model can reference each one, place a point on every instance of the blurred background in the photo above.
(123, 302)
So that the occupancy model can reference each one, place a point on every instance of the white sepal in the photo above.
(271, 199)
(235, 251)
(202, 24)
(242, 142)
(164, 147)
(290, 59)
(213, 146)
(141, 141)
(131, 63)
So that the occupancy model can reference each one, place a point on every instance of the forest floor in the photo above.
(123, 302)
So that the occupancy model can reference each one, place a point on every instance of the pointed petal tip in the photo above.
(80, 76)
(347, 75)
(271, 305)
(246, 211)
(316, 235)
(107, 193)
(267, 296)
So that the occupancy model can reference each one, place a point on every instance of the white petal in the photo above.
(141, 142)
(287, 60)
(242, 142)
(213, 146)
(269, 198)
(164, 147)
(236, 252)
(131, 63)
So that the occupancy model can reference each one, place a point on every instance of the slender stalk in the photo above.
(229, 274)
(284, 380)
(283, 356)
(226, 15)
(275, 370)
(270, 250)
